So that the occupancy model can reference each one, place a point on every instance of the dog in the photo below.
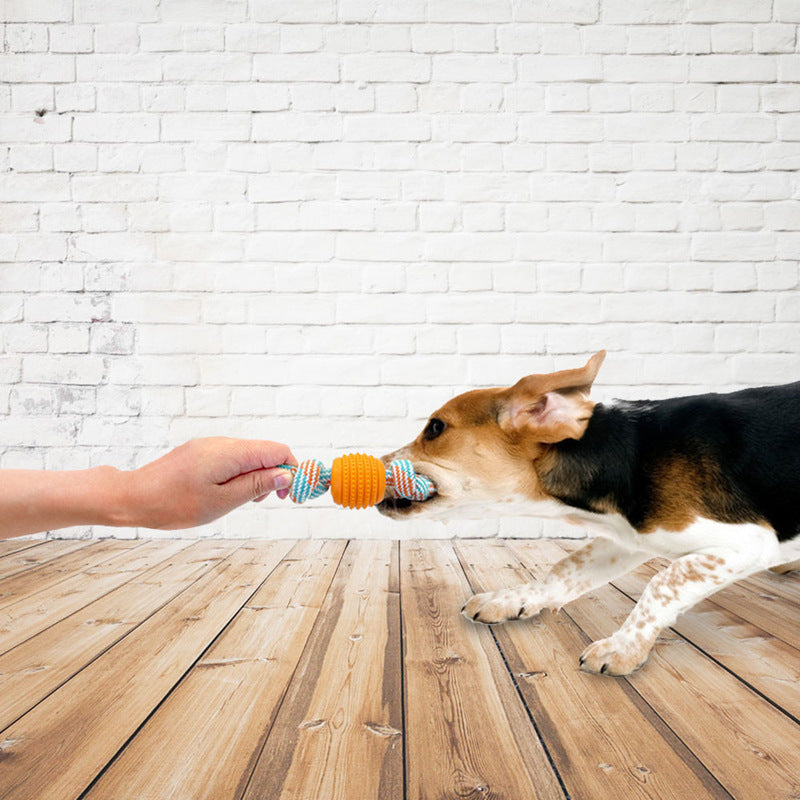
(711, 482)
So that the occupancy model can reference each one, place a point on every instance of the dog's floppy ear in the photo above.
(551, 408)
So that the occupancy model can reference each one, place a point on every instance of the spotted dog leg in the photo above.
(676, 589)
(595, 564)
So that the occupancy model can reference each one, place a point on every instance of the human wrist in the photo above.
(117, 497)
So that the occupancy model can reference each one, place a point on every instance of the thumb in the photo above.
(259, 483)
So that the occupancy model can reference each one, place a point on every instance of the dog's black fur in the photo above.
(740, 451)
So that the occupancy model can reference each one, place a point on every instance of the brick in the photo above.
(297, 11)
(545, 68)
(37, 10)
(201, 66)
(38, 68)
(99, 68)
(25, 38)
(474, 128)
(380, 127)
(402, 67)
(467, 68)
(113, 188)
(69, 369)
(487, 247)
(100, 11)
(732, 69)
(427, 370)
(189, 187)
(560, 128)
(318, 67)
(645, 68)
(116, 128)
(111, 247)
(653, 12)
(558, 246)
(291, 127)
(206, 127)
(577, 11)
(257, 97)
(289, 247)
(717, 11)
(379, 247)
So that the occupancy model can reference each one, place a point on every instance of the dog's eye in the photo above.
(434, 428)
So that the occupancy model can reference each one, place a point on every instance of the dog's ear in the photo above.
(551, 408)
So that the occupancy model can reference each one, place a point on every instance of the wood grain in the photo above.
(467, 733)
(222, 709)
(9, 546)
(768, 664)
(43, 578)
(732, 730)
(70, 591)
(32, 670)
(632, 754)
(57, 748)
(29, 559)
(338, 734)
(240, 670)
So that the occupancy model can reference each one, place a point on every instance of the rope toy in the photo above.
(357, 480)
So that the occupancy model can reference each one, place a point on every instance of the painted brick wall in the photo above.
(315, 221)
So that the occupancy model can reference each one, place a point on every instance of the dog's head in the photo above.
(482, 447)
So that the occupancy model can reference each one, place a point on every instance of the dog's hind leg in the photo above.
(593, 565)
(732, 552)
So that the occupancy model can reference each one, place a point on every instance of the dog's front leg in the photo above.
(672, 591)
(595, 564)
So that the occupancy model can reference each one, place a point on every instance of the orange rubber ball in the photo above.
(358, 480)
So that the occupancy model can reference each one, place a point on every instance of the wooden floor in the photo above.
(330, 670)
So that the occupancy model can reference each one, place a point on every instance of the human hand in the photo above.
(204, 479)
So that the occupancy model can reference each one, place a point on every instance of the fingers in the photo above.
(257, 454)
(257, 484)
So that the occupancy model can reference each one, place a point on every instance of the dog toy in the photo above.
(357, 480)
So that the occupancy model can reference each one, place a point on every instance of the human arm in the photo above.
(195, 483)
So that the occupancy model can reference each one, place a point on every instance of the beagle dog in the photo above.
(711, 482)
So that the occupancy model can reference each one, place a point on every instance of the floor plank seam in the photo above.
(180, 679)
(77, 610)
(723, 666)
(316, 699)
(640, 699)
(258, 752)
(403, 698)
(517, 688)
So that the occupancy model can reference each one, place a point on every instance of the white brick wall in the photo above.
(315, 221)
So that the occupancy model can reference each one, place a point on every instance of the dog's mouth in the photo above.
(392, 506)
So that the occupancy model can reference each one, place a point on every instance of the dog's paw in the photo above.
(617, 655)
(491, 608)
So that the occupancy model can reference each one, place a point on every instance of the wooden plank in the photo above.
(751, 748)
(58, 747)
(786, 586)
(38, 666)
(222, 709)
(10, 546)
(632, 754)
(768, 664)
(765, 610)
(113, 565)
(30, 558)
(338, 734)
(27, 584)
(467, 732)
